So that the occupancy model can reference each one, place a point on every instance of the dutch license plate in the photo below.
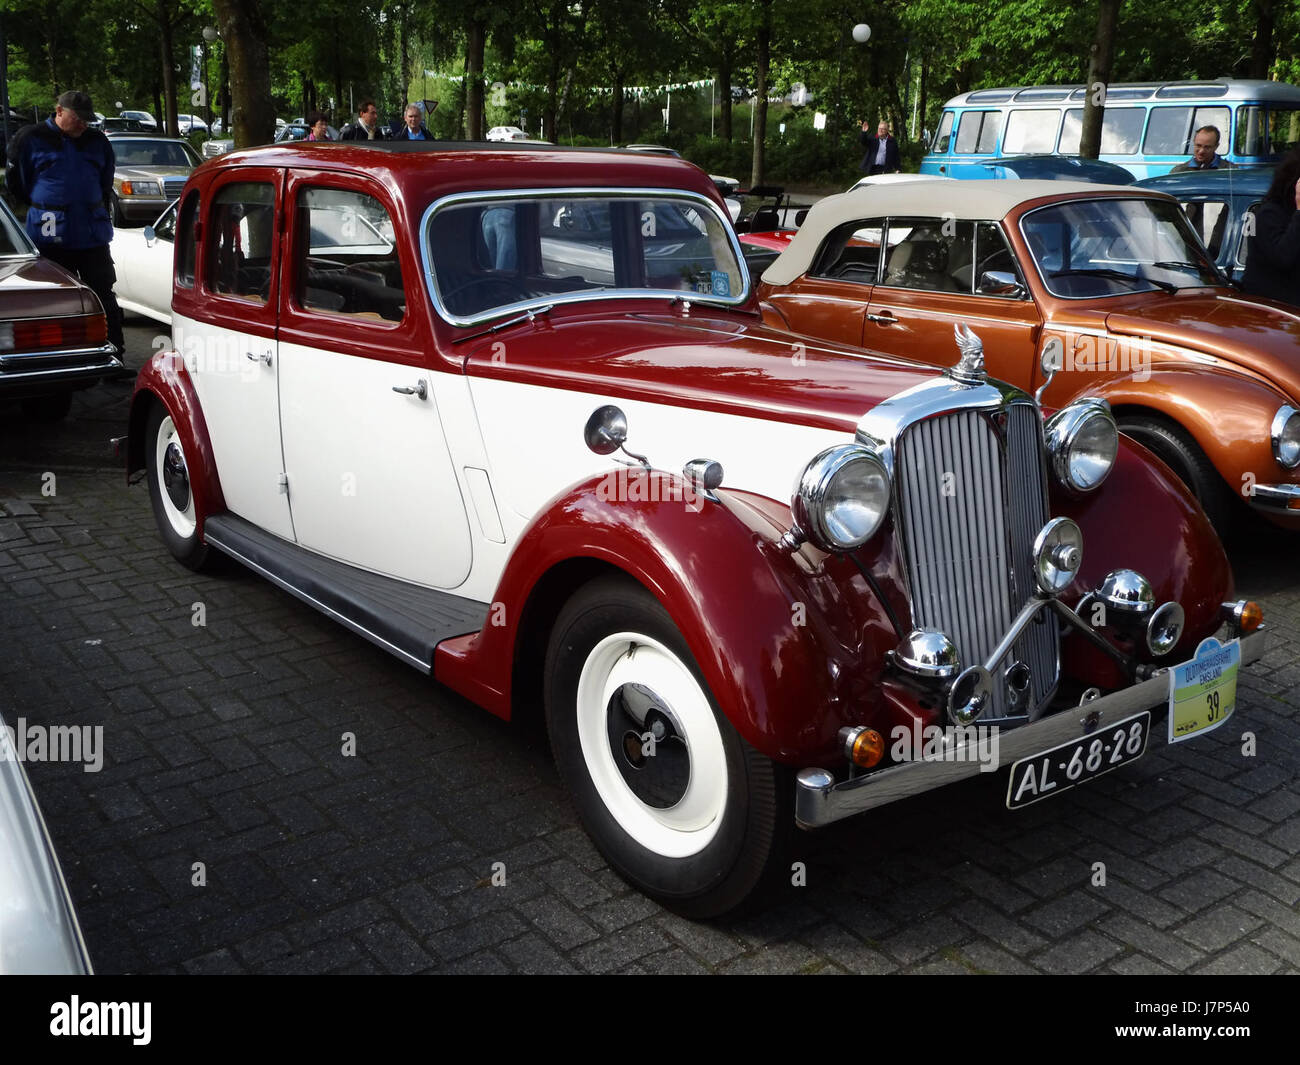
(1049, 773)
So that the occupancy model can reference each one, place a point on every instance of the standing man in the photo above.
(414, 129)
(882, 150)
(64, 172)
(1205, 145)
(366, 127)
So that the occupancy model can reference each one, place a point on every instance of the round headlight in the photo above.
(1083, 442)
(841, 497)
(1286, 437)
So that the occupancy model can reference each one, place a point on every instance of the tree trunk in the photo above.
(169, 123)
(724, 94)
(1100, 64)
(920, 94)
(1262, 47)
(760, 87)
(616, 110)
(474, 75)
(243, 28)
(552, 92)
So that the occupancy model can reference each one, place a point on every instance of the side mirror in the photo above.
(150, 235)
(1000, 283)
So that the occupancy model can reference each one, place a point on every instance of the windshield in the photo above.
(489, 256)
(153, 153)
(1088, 248)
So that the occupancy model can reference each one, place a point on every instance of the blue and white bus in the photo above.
(1147, 128)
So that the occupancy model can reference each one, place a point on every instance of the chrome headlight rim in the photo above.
(809, 503)
(1277, 436)
(1063, 431)
(1057, 555)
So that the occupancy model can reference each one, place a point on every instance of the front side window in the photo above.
(489, 255)
(240, 241)
(1090, 248)
(345, 255)
(944, 135)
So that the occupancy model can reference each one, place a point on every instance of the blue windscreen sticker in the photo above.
(721, 283)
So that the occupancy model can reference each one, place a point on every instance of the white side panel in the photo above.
(235, 375)
(535, 444)
(144, 274)
(371, 480)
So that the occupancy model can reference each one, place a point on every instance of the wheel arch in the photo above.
(164, 382)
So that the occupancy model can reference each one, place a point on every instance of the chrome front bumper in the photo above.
(1275, 498)
(819, 800)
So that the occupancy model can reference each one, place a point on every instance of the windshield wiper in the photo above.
(527, 316)
(1117, 275)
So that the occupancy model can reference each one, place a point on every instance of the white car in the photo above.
(506, 133)
(189, 123)
(143, 261)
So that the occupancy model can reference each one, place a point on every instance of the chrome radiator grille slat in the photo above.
(969, 512)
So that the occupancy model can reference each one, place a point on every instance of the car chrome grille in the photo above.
(970, 498)
(173, 186)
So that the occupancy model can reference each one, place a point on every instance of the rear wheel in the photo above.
(171, 493)
(1177, 450)
(678, 803)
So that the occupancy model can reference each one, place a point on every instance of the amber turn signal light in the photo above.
(863, 746)
(1245, 615)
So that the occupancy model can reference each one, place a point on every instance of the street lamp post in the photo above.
(210, 35)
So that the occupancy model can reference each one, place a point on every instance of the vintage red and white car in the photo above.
(512, 414)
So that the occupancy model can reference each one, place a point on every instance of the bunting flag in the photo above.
(639, 91)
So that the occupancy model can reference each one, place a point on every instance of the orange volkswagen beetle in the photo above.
(1076, 289)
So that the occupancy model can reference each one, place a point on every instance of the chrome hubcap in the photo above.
(176, 478)
(648, 747)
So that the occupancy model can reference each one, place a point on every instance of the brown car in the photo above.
(1075, 289)
(53, 333)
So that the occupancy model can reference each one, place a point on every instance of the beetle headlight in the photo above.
(1082, 441)
(841, 497)
(1286, 437)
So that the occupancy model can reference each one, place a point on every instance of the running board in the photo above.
(406, 620)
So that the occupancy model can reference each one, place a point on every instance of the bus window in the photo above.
(1031, 132)
(978, 132)
(944, 135)
(1265, 133)
(1121, 130)
(1170, 130)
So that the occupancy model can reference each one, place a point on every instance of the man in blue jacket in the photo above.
(64, 172)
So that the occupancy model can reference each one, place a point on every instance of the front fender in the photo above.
(1227, 414)
(790, 643)
(165, 380)
(1143, 518)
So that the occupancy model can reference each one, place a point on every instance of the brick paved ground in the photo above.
(224, 747)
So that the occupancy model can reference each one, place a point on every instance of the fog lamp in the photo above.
(1127, 592)
(1058, 554)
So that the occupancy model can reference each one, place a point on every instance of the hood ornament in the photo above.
(969, 369)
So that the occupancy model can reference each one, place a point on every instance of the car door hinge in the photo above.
(282, 479)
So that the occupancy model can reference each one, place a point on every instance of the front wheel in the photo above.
(171, 493)
(1177, 450)
(679, 804)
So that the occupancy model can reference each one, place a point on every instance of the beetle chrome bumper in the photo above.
(819, 800)
(1276, 498)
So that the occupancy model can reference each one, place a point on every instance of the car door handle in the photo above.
(420, 389)
(264, 357)
(883, 319)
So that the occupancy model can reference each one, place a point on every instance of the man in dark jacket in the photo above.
(64, 172)
(366, 127)
(414, 128)
(882, 150)
(1273, 246)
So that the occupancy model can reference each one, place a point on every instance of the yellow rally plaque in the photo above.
(1203, 692)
